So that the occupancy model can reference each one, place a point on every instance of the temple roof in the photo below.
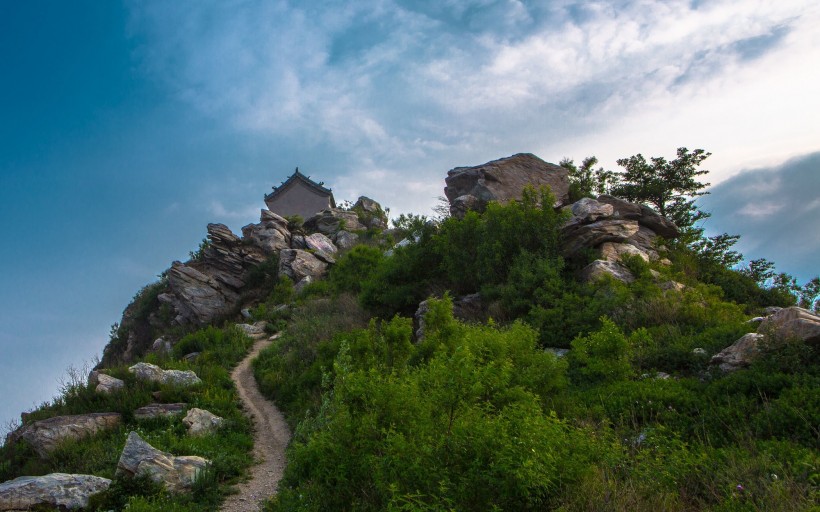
(298, 176)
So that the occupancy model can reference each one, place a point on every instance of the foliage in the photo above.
(354, 268)
(668, 186)
(584, 181)
(199, 254)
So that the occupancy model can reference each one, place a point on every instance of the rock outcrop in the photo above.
(739, 354)
(201, 422)
(614, 228)
(177, 474)
(333, 220)
(370, 213)
(45, 436)
(58, 491)
(104, 383)
(153, 373)
(472, 188)
(787, 324)
(793, 323)
(297, 264)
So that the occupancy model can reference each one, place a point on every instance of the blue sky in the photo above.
(127, 127)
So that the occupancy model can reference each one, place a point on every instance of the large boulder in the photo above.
(579, 236)
(589, 210)
(503, 180)
(645, 215)
(739, 354)
(177, 474)
(297, 264)
(333, 220)
(613, 251)
(599, 269)
(370, 213)
(104, 383)
(345, 240)
(197, 297)
(271, 234)
(45, 436)
(201, 422)
(153, 373)
(253, 330)
(793, 323)
(58, 491)
(320, 243)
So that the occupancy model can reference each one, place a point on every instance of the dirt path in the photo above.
(270, 439)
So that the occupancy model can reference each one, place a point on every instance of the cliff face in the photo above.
(217, 281)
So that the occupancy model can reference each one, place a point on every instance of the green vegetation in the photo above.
(482, 417)
(228, 449)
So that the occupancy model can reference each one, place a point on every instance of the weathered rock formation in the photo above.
(58, 491)
(333, 220)
(153, 373)
(614, 228)
(297, 264)
(787, 324)
(201, 422)
(177, 474)
(45, 436)
(472, 188)
(104, 383)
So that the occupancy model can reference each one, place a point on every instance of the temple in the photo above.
(299, 195)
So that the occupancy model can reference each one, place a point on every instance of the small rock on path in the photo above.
(271, 437)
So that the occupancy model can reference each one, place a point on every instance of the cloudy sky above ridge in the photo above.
(126, 127)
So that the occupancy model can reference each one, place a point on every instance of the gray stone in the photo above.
(246, 314)
(45, 436)
(793, 323)
(614, 251)
(296, 264)
(645, 215)
(579, 237)
(107, 384)
(346, 240)
(191, 357)
(139, 458)
(333, 220)
(699, 352)
(153, 373)
(161, 346)
(152, 411)
(320, 243)
(254, 329)
(201, 422)
(60, 491)
(302, 284)
(370, 213)
(622, 209)
(739, 354)
(589, 210)
(503, 180)
(598, 269)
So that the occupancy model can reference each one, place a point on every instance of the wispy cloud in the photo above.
(409, 88)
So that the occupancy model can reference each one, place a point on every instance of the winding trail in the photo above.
(270, 439)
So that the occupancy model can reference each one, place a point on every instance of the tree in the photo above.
(585, 181)
(669, 186)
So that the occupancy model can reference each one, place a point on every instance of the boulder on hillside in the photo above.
(201, 422)
(645, 215)
(503, 180)
(613, 251)
(601, 268)
(139, 458)
(345, 240)
(271, 234)
(588, 210)
(578, 237)
(254, 329)
(739, 354)
(152, 411)
(297, 264)
(794, 322)
(153, 373)
(196, 297)
(45, 436)
(370, 213)
(106, 384)
(58, 491)
(333, 220)
(320, 243)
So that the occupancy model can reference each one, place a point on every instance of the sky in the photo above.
(126, 127)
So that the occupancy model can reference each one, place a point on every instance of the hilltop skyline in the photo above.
(127, 127)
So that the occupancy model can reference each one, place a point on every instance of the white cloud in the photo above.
(419, 89)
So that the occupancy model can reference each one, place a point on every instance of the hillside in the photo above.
(564, 338)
